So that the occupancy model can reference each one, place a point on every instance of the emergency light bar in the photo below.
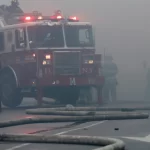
(59, 17)
(35, 16)
(29, 18)
(51, 18)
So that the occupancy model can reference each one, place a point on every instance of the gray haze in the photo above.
(122, 27)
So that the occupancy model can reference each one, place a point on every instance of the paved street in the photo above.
(135, 133)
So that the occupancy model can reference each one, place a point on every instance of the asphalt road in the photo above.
(135, 133)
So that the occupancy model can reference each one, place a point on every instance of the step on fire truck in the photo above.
(47, 56)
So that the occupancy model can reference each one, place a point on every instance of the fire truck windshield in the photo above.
(79, 36)
(46, 36)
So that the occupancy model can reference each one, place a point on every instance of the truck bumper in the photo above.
(72, 81)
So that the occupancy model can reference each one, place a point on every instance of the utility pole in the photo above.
(104, 54)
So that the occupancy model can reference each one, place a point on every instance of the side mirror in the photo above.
(22, 45)
(87, 34)
(32, 44)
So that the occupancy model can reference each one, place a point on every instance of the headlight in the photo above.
(46, 62)
(91, 61)
(47, 56)
(88, 59)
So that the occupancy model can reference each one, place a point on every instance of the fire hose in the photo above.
(72, 114)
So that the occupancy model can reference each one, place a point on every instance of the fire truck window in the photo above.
(83, 36)
(46, 36)
(1, 41)
(20, 37)
(78, 36)
(9, 36)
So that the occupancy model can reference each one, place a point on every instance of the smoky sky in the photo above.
(122, 27)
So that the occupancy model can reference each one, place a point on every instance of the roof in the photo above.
(42, 23)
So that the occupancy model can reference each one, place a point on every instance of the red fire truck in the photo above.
(47, 56)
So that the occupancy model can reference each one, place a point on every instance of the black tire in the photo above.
(69, 96)
(10, 95)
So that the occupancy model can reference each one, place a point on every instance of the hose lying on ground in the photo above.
(73, 119)
(73, 114)
(92, 109)
(79, 111)
(108, 143)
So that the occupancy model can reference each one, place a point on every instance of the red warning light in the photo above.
(74, 18)
(59, 17)
(28, 18)
(40, 18)
(33, 54)
(56, 17)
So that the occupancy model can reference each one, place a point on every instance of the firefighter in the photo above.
(110, 71)
(147, 92)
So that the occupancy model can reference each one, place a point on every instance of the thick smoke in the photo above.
(122, 28)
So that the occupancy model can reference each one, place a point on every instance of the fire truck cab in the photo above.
(47, 56)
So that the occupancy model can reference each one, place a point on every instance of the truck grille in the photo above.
(66, 63)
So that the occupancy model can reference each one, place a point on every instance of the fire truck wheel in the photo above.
(11, 95)
(69, 96)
